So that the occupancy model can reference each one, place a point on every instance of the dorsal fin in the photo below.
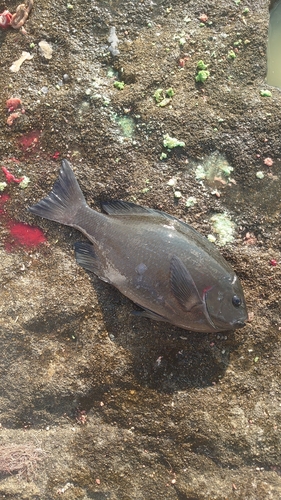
(119, 207)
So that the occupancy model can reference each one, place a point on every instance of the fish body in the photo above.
(162, 264)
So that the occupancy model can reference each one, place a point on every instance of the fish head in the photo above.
(225, 304)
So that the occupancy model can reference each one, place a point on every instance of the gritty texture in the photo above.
(122, 407)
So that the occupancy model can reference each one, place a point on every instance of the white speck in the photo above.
(158, 360)
(234, 279)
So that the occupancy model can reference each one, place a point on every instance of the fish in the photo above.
(165, 266)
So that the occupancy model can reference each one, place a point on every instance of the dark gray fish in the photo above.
(162, 264)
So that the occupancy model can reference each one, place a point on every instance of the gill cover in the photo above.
(226, 304)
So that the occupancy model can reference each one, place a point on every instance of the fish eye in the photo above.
(236, 301)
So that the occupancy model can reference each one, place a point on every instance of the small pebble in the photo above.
(171, 182)
(260, 174)
(211, 238)
(177, 194)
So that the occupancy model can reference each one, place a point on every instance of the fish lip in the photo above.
(238, 324)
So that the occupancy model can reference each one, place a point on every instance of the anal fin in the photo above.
(147, 313)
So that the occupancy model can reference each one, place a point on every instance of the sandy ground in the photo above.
(103, 404)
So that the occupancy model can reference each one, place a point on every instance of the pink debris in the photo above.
(11, 118)
(5, 19)
(55, 156)
(182, 61)
(17, 19)
(30, 140)
(13, 103)
(273, 262)
(268, 161)
(250, 316)
(10, 177)
(21, 14)
(203, 18)
(250, 239)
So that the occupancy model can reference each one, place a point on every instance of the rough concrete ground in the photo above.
(122, 407)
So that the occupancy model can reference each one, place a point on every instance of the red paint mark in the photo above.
(26, 235)
(30, 140)
(3, 199)
(5, 19)
(20, 235)
(10, 177)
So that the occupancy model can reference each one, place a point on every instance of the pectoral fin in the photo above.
(183, 286)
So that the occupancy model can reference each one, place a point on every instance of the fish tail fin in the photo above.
(64, 201)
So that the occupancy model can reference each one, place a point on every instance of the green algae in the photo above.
(171, 142)
(224, 227)
(215, 169)
(127, 125)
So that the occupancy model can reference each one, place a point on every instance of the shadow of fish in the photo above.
(162, 264)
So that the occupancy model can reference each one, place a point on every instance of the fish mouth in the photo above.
(238, 324)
